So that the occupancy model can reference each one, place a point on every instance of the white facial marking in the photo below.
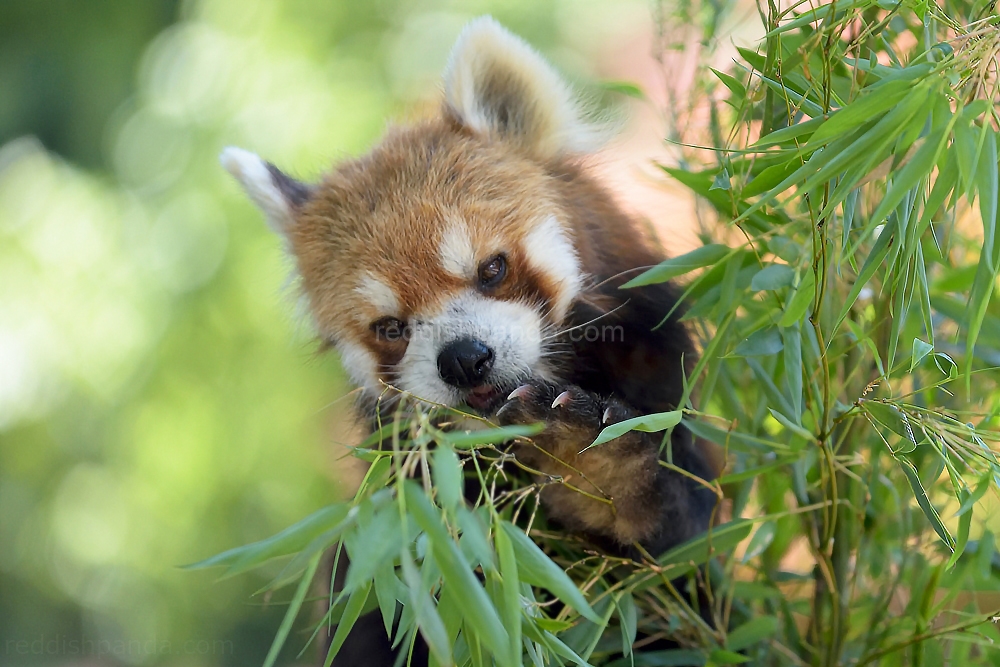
(378, 293)
(456, 253)
(254, 176)
(360, 365)
(550, 252)
(512, 330)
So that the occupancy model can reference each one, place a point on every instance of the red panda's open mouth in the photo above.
(483, 399)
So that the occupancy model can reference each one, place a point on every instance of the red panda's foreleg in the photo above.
(616, 491)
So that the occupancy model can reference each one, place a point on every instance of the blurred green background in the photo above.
(161, 398)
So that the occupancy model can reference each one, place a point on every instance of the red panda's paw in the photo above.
(573, 417)
(557, 406)
(608, 490)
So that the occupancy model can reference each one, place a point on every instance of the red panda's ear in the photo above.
(498, 86)
(276, 194)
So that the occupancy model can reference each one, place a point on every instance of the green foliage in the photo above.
(468, 577)
(160, 397)
(844, 300)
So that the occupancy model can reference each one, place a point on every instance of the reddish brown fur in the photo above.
(502, 157)
(385, 213)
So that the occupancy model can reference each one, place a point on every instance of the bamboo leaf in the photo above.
(447, 476)
(721, 181)
(510, 582)
(918, 168)
(626, 88)
(965, 154)
(428, 620)
(628, 616)
(538, 569)
(553, 644)
(678, 266)
(671, 657)
(774, 395)
(981, 488)
(790, 133)
(924, 502)
(763, 342)
(375, 542)
(719, 539)
(289, 541)
(723, 657)
(752, 632)
(468, 592)
(773, 277)
(989, 259)
(986, 187)
(828, 13)
(872, 146)
(292, 612)
(920, 350)
(733, 84)
(770, 177)
(869, 105)
(798, 100)
(791, 338)
(791, 425)
(892, 418)
(799, 301)
(653, 423)
(760, 541)
(964, 526)
(490, 436)
(872, 262)
(388, 590)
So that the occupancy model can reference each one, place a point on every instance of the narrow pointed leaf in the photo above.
(653, 423)
(763, 342)
(719, 539)
(292, 612)
(537, 569)
(706, 255)
(872, 263)
(289, 541)
(628, 616)
(468, 592)
(772, 277)
(752, 632)
(924, 502)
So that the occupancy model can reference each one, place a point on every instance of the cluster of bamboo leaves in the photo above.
(465, 575)
(844, 299)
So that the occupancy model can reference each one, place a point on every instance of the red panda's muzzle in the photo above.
(465, 363)
(485, 399)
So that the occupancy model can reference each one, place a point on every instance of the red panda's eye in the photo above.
(492, 272)
(389, 329)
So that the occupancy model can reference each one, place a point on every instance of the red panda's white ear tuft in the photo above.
(276, 194)
(497, 85)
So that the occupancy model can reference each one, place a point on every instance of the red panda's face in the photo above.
(441, 263)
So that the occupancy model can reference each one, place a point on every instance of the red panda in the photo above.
(463, 260)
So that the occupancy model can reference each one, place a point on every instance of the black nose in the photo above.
(465, 363)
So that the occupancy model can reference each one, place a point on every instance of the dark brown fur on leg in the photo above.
(617, 491)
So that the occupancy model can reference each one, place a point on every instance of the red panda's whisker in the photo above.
(585, 324)
(619, 275)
